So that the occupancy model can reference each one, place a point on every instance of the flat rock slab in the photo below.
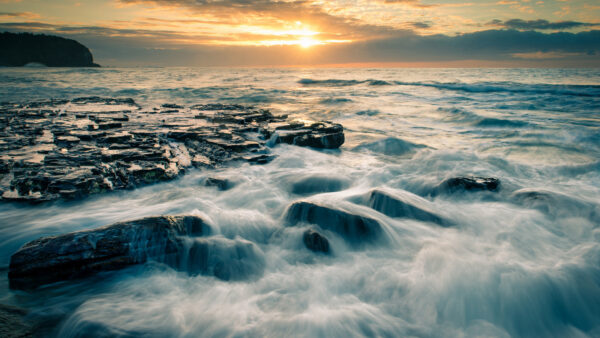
(77, 254)
(65, 149)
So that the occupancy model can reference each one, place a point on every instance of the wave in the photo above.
(342, 83)
(477, 87)
(494, 122)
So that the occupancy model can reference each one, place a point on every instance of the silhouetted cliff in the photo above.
(19, 49)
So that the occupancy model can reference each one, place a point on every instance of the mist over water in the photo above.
(520, 261)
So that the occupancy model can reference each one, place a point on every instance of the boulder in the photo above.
(218, 182)
(471, 183)
(324, 135)
(402, 203)
(357, 229)
(315, 242)
(77, 254)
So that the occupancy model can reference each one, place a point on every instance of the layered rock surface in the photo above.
(73, 148)
(112, 247)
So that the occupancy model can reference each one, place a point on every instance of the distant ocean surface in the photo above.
(523, 261)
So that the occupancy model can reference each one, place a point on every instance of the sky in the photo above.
(410, 33)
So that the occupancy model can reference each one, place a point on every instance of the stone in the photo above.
(129, 147)
(402, 203)
(355, 227)
(13, 323)
(57, 258)
(218, 182)
(324, 135)
(471, 183)
(315, 242)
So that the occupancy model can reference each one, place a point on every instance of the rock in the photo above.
(355, 228)
(472, 183)
(325, 135)
(220, 183)
(224, 258)
(311, 184)
(57, 258)
(20, 49)
(127, 147)
(556, 204)
(314, 241)
(402, 203)
(13, 324)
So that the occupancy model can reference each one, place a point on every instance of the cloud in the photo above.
(126, 47)
(27, 15)
(539, 24)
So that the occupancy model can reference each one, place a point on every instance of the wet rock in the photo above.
(354, 227)
(225, 259)
(472, 183)
(556, 204)
(402, 203)
(13, 323)
(325, 135)
(312, 184)
(129, 147)
(53, 259)
(314, 241)
(218, 182)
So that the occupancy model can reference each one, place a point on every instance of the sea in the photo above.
(508, 266)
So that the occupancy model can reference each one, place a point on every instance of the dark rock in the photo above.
(138, 149)
(473, 183)
(402, 203)
(20, 49)
(355, 228)
(220, 183)
(109, 125)
(314, 241)
(224, 258)
(312, 184)
(171, 106)
(52, 259)
(316, 135)
(13, 323)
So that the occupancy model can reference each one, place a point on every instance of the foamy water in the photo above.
(506, 267)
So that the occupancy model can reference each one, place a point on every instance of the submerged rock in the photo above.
(218, 182)
(472, 183)
(556, 204)
(402, 203)
(355, 228)
(311, 184)
(314, 241)
(52, 259)
(13, 324)
(224, 258)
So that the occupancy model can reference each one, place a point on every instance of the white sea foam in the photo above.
(520, 261)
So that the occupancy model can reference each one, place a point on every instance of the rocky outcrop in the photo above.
(470, 184)
(315, 242)
(357, 229)
(52, 259)
(65, 149)
(310, 134)
(400, 203)
(556, 204)
(20, 49)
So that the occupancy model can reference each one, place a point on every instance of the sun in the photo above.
(307, 42)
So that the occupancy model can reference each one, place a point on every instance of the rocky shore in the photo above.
(67, 149)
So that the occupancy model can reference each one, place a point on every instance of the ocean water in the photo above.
(508, 266)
